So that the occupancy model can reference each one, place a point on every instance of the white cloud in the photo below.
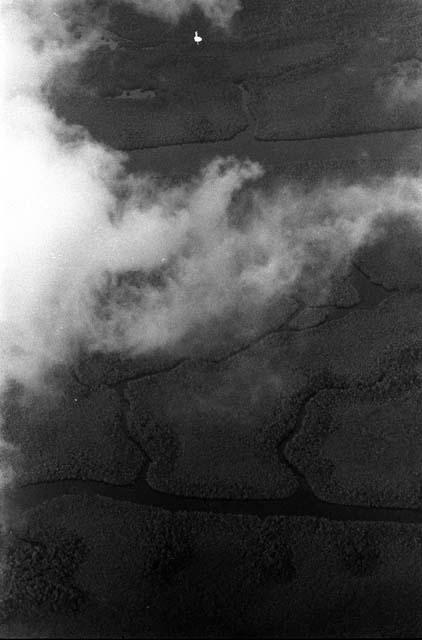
(403, 84)
(68, 234)
(73, 222)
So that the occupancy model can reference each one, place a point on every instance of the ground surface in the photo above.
(269, 485)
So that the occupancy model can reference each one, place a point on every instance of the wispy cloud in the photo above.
(403, 84)
(220, 12)
(121, 262)
(91, 254)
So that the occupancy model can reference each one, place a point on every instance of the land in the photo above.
(267, 484)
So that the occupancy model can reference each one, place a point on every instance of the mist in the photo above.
(220, 12)
(96, 257)
(403, 85)
(126, 263)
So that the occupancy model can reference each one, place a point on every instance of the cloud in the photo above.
(71, 218)
(403, 85)
(93, 255)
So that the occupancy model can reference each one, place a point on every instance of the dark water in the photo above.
(302, 503)
(352, 158)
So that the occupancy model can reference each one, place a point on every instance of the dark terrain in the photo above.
(260, 485)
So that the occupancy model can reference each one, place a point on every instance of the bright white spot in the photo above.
(197, 38)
